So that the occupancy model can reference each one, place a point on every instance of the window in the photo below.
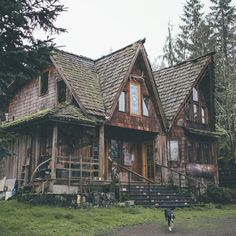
(135, 98)
(206, 153)
(43, 83)
(190, 152)
(173, 150)
(122, 102)
(195, 112)
(195, 95)
(145, 106)
(203, 113)
(61, 91)
(198, 152)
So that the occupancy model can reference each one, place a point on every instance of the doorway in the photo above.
(148, 160)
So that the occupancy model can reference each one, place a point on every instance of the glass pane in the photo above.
(174, 150)
(122, 102)
(134, 98)
(195, 112)
(195, 95)
(145, 106)
(203, 115)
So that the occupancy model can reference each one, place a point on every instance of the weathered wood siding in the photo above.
(131, 121)
(27, 100)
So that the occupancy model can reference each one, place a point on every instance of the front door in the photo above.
(148, 160)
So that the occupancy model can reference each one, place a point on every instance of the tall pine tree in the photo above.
(222, 21)
(191, 19)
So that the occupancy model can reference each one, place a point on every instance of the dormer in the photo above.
(134, 99)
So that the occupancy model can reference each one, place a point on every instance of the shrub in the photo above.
(217, 194)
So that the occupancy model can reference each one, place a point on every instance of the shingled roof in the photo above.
(176, 82)
(112, 70)
(95, 83)
(80, 74)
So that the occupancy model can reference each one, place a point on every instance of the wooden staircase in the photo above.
(156, 195)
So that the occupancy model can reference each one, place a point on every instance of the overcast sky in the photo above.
(97, 27)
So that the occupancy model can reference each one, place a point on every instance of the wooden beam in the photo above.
(101, 152)
(54, 153)
(37, 149)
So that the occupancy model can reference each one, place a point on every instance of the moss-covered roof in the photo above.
(175, 83)
(62, 112)
(214, 134)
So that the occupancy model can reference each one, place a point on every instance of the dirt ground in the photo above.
(210, 227)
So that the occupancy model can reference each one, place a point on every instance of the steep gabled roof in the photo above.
(80, 76)
(175, 83)
(112, 70)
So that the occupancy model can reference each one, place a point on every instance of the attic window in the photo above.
(135, 98)
(43, 83)
(61, 91)
(122, 102)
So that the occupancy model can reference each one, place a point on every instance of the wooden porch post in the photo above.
(164, 153)
(37, 149)
(101, 152)
(54, 154)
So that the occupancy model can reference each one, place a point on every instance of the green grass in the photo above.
(18, 218)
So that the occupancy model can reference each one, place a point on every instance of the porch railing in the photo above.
(130, 173)
(199, 184)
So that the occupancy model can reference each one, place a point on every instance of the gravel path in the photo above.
(211, 227)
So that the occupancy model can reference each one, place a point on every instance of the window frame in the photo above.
(123, 93)
(42, 83)
(59, 101)
(139, 98)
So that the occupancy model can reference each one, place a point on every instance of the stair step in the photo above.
(161, 196)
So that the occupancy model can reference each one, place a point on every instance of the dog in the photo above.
(169, 216)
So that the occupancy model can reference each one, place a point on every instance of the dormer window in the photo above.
(196, 109)
(122, 102)
(61, 91)
(135, 98)
(43, 83)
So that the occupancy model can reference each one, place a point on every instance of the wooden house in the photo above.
(82, 117)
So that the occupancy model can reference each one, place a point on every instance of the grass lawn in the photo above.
(18, 218)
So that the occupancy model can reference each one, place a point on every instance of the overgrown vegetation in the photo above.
(221, 195)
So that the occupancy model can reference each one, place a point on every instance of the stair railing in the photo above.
(131, 172)
(200, 184)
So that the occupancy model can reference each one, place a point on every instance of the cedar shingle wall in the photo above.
(28, 101)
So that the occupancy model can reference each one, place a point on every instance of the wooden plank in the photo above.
(101, 152)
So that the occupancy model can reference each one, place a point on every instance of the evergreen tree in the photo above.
(188, 41)
(223, 20)
(22, 55)
(169, 53)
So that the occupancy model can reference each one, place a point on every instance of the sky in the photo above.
(98, 27)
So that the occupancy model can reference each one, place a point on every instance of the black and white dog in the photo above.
(169, 216)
